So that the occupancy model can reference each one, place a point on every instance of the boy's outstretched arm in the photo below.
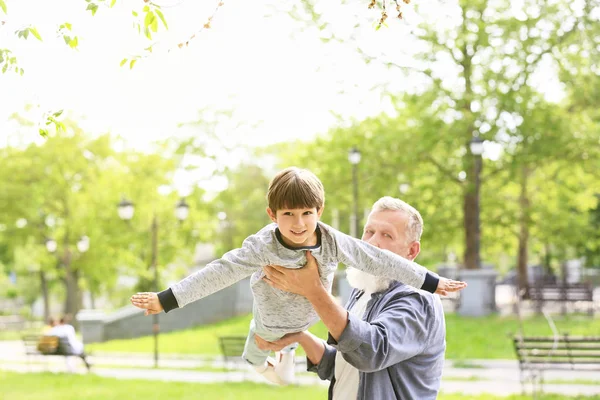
(148, 301)
(234, 266)
(446, 286)
(379, 262)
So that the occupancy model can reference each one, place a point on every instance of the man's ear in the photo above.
(413, 250)
(271, 215)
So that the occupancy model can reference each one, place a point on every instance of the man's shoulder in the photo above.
(404, 293)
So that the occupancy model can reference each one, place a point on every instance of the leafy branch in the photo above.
(8, 61)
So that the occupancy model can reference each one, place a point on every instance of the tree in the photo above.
(68, 186)
(496, 51)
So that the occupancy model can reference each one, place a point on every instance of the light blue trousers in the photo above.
(254, 355)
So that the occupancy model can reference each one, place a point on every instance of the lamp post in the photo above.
(126, 209)
(354, 158)
(472, 208)
(225, 226)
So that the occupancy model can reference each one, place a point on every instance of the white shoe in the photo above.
(268, 371)
(285, 367)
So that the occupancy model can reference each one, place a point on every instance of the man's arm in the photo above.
(320, 357)
(397, 333)
(400, 331)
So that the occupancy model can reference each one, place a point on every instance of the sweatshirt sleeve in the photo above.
(375, 261)
(234, 266)
(326, 367)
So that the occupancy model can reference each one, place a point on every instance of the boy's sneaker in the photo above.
(284, 367)
(268, 371)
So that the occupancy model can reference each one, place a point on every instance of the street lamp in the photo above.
(51, 245)
(354, 158)
(182, 210)
(83, 244)
(126, 210)
(472, 208)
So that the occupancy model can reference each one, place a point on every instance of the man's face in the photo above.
(387, 230)
(297, 226)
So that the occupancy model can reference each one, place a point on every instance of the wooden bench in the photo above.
(537, 354)
(232, 348)
(41, 345)
(564, 294)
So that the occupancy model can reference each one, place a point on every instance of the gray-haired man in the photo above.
(389, 341)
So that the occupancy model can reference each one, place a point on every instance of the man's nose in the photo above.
(374, 240)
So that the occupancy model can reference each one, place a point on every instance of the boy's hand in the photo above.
(149, 302)
(446, 286)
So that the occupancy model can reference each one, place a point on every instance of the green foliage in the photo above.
(69, 186)
(8, 62)
(542, 177)
(65, 30)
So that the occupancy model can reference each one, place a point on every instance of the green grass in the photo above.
(17, 335)
(488, 337)
(466, 364)
(467, 338)
(573, 382)
(49, 386)
(201, 340)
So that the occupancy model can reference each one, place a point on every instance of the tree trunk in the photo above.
(522, 256)
(471, 217)
(45, 295)
(73, 298)
(548, 260)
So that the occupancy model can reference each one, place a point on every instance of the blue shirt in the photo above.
(398, 347)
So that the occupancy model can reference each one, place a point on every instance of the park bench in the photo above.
(570, 293)
(232, 348)
(537, 354)
(41, 345)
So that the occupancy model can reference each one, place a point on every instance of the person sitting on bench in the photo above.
(75, 347)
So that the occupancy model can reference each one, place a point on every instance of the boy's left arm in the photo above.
(375, 261)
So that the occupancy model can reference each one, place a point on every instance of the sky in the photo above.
(274, 73)
(283, 84)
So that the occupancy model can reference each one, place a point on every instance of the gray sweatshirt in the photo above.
(280, 311)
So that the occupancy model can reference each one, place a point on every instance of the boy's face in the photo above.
(297, 226)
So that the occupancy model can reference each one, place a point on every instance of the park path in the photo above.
(498, 377)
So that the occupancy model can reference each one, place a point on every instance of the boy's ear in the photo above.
(320, 212)
(271, 215)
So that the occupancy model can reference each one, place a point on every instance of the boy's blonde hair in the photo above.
(295, 188)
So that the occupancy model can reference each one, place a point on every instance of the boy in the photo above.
(295, 203)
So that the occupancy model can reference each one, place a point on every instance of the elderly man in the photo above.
(389, 341)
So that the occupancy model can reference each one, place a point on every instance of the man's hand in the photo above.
(279, 344)
(304, 281)
(446, 286)
(148, 301)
